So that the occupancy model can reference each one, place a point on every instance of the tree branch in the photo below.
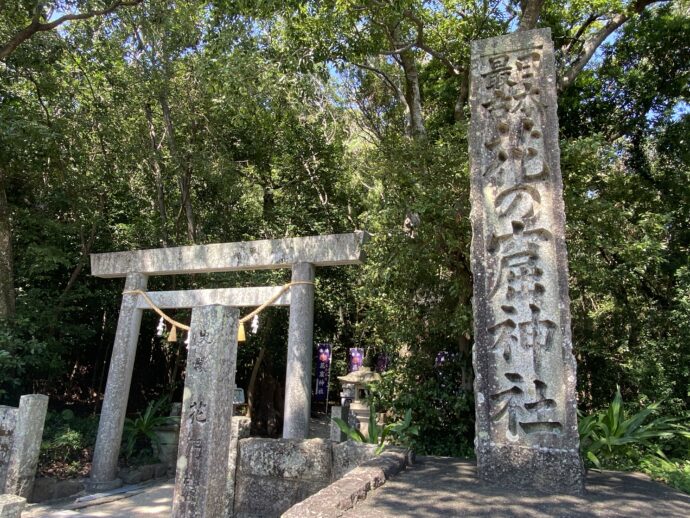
(382, 75)
(589, 48)
(405, 47)
(423, 46)
(36, 26)
(531, 10)
(595, 40)
(580, 31)
(86, 247)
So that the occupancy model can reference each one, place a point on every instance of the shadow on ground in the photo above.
(449, 487)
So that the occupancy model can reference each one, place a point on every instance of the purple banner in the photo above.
(382, 363)
(356, 359)
(323, 365)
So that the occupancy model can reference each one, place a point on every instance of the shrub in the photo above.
(441, 408)
(141, 444)
(400, 432)
(67, 444)
(610, 436)
(673, 473)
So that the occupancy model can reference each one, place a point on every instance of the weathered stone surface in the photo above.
(202, 468)
(326, 250)
(299, 357)
(345, 493)
(348, 455)
(274, 474)
(525, 369)
(107, 449)
(391, 462)
(240, 430)
(168, 440)
(341, 412)
(26, 444)
(130, 476)
(236, 297)
(137, 474)
(51, 489)
(11, 506)
(286, 458)
(8, 421)
(268, 497)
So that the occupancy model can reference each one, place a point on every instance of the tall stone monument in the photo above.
(525, 370)
(205, 425)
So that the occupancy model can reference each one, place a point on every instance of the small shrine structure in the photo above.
(359, 409)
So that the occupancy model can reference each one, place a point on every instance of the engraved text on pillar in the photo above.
(521, 286)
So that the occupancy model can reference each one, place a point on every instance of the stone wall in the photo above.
(274, 474)
(356, 484)
(47, 488)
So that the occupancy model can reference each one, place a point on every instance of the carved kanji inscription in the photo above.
(525, 371)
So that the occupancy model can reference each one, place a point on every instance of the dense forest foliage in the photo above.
(160, 123)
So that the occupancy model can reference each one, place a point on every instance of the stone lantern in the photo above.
(359, 409)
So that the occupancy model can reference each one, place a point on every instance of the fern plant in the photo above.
(379, 434)
(610, 433)
(139, 435)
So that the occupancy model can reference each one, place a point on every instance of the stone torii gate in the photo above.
(302, 255)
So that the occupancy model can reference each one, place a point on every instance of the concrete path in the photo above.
(154, 501)
(437, 486)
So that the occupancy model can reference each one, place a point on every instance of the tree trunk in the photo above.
(413, 95)
(184, 173)
(157, 175)
(413, 92)
(463, 94)
(531, 10)
(7, 307)
(251, 388)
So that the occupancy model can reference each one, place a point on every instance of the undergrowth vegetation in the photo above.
(622, 438)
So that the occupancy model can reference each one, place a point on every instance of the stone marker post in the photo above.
(525, 370)
(26, 445)
(299, 358)
(205, 424)
(8, 422)
(114, 409)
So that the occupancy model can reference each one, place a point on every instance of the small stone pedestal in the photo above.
(21, 431)
(11, 506)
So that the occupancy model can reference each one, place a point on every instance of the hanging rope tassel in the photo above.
(241, 337)
(172, 337)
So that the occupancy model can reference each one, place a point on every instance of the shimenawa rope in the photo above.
(240, 334)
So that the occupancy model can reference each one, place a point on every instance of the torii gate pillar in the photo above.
(104, 466)
(299, 357)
